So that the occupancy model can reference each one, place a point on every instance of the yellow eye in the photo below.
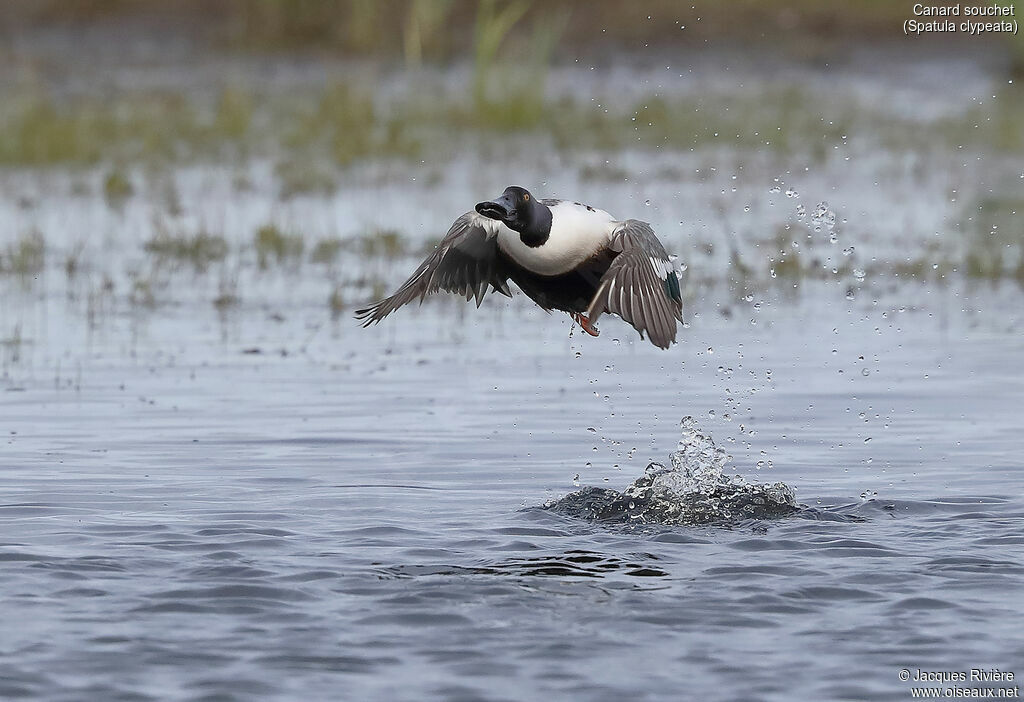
(526, 197)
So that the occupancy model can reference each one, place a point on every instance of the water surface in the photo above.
(358, 513)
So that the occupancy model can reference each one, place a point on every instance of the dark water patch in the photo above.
(35, 509)
(223, 556)
(261, 531)
(770, 603)
(570, 564)
(921, 604)
(382, 530)
(422, 570)
(839, 513)
(191, 546)
(831, 593)
(248, 517)
(370, 486)
(127, 530)
(312, 441)
(579, 564)
(770, 545)
(759, 569)
(177, 608)
(228, 572)
(853, 547)
(114, 693)
(237, 592)
(14, 556)
(231, 689)
(417, 619)
(81, 592)
(1007, 540)
(310, 576)
(531, 531)
(83, 564)
(975, 564)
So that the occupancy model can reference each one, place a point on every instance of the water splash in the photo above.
(694, 490)
(823, 217)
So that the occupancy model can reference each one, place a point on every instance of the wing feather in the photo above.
(465, 262)
(637, 286)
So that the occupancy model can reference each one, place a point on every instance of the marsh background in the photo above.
(215, 485)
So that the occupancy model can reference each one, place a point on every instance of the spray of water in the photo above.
(693, 489)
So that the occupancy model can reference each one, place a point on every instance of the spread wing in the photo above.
(465, 262)
(641, 284)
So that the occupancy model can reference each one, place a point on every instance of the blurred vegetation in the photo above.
(437, 30)
(198, 250)
(994, 234)
(117, 188)
(24, 257)
(314, 134)
(273, 244)
(510, 45)
(311, 136)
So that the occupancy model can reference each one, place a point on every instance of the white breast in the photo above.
(577, 233)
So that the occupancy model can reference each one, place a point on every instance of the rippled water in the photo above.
(271, 510)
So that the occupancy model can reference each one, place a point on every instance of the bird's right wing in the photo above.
(465, 262)
(641, 284)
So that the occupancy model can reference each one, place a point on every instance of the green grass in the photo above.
(198, 250)
(227, 295)
(326, 251)
(315, 136)
(346, 124)
(117, 188)
(275, 245)
(25, 257)
(385, 243)
(994, 237)
(304, 176)
(336, 302)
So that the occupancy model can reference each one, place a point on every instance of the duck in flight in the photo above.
(564, 255)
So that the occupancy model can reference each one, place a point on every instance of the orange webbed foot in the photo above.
(585, 325)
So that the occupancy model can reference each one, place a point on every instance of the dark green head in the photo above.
(521, 212)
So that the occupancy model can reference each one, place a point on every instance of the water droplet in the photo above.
(823, 217)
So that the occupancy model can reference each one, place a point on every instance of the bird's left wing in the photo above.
(641, 284)
(465, 262)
